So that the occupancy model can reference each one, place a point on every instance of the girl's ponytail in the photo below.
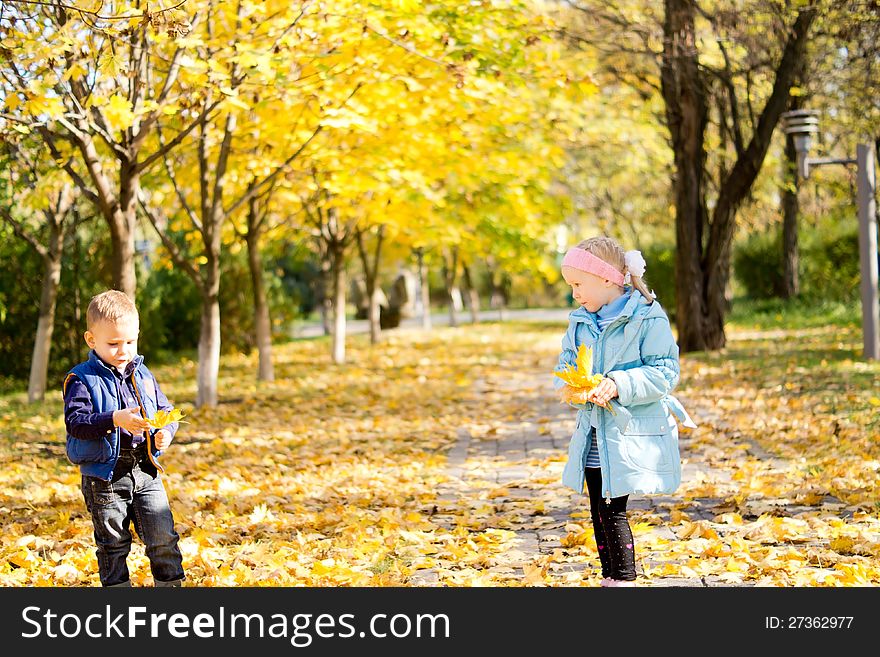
(639, 283)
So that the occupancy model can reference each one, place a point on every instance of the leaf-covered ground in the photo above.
(338, 475)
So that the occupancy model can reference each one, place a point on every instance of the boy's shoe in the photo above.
(172, 584)
(616, 582)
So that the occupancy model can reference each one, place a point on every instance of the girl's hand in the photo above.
(571, 395)
(603, 393)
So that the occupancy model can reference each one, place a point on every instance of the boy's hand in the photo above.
(163, 439)
(604, 392)
(130, 419)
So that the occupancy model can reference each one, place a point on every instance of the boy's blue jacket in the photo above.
(638, 445)
(97, 457)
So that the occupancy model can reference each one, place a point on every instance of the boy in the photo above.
(105, 402)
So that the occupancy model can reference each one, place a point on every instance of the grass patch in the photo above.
(793, 313)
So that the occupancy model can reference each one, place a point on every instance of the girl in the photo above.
(633, 449)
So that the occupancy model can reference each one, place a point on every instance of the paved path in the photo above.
(521, 460)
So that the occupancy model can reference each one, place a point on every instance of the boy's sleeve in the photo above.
(658, 374)
(79, 418)
(163, 404)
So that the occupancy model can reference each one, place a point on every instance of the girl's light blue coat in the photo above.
(638, 445)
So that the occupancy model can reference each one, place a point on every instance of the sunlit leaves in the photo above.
(164, 418)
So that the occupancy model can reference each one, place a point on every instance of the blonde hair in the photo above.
(611, 252)
(110, 306)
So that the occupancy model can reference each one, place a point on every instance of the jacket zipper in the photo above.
(604, 443)
(146, 417)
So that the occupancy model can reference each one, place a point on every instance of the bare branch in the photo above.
(254, 190)
(68, 167)
(19, 230)
(173, 249)
(172, 176)
(200, 119)
(85, 12)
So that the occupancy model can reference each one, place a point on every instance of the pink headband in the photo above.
(586, 261)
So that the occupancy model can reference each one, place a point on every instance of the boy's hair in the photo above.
(110, 306)
(612, 253)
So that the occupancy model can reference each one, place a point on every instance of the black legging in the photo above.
(614, 537)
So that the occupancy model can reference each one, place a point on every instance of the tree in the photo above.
(723, 86)
(34, 191)
(93, 87)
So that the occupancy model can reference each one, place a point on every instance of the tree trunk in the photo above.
(325, 300)
(423, 290)
(373, 314)
(686, 115)
(338, 272)
(209, 336)
(122, 246)
(790, 209)
(371, 275)
(473, 294)
(46, 323)
(209, 352)
(496, 298)
(119, 212)
(449, 275)
(262, 319)
(702, 274)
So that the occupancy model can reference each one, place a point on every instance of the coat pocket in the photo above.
(647, 444)
(88, 451)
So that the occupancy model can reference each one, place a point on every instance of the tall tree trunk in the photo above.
(209, 352)
(325, 297)
(338, 272)
(423, 289)
(371, 275)
(472, 292)
(496, 298)
(46, 323)
(790, 210)
(209, 335)
(119, 211)
(686, 116)
(125, 218)
(262, 319)
(450, 270)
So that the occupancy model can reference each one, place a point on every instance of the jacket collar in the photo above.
(96, 360)
(634, 306)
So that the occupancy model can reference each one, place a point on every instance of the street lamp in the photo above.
(802, 125)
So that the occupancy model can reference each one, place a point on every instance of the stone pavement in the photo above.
(520, 460)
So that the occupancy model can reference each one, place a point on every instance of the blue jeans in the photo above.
(135, 494)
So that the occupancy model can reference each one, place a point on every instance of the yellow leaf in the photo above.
(842, 545)
(581, 375)
(164, 418)
(118, 113)
(12, 101)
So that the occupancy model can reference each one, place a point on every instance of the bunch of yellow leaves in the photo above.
(580, 378)
(164, 418)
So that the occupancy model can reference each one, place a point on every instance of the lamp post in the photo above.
(802, 125)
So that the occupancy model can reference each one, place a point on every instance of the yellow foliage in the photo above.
(164, 418)
(579, 379)
(337, 476)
